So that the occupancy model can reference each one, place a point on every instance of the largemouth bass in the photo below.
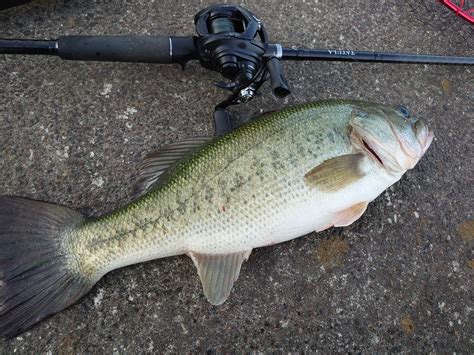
(306, 168)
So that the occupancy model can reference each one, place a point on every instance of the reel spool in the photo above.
(231, 40)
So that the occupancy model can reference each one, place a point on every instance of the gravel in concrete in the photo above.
(399, 279)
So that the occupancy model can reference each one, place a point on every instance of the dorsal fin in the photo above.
(156, 163)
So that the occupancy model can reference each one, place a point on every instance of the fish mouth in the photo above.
(401, 154)
(371, 151)
(368, 146)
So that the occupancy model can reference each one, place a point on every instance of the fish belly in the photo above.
(273, 222)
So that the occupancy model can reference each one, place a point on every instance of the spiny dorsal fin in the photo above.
(157, 162)
(218, 272)
(336, 173)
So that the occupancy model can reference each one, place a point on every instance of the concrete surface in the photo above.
(399, 279)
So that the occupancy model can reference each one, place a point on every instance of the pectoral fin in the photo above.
(218, 272)
(350, 215)
(335, 173)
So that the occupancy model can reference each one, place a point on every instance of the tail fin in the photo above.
(34, 279)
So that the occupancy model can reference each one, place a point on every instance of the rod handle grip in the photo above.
(141, 49)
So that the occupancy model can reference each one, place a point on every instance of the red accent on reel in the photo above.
(461, 8)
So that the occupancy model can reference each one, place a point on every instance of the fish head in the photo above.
(393, 138)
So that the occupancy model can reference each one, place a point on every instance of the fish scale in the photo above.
(280, 176)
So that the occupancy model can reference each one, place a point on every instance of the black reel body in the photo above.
(233, 41)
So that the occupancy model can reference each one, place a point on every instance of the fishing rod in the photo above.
(230, 40)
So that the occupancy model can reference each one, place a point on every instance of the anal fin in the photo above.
(218, 272)
(350, 215)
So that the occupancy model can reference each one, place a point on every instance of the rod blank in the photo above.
(28, 46)
(358, 56)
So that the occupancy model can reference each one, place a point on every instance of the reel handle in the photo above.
(279, 84)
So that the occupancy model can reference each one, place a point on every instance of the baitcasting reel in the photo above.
(233, 41)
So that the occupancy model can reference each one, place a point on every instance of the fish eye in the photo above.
(404, 111)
